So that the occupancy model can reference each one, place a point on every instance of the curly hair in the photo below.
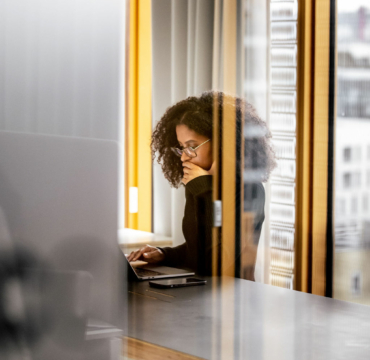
(197, 114)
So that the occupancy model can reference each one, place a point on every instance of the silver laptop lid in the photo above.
(60, 199)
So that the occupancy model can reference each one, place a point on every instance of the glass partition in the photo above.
(352, 154)
(270, 82)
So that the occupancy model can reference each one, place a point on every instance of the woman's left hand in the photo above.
(192, 171)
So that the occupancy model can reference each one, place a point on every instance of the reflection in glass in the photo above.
(270, 84)
(283, 31)
(352, 163)
(283, 77)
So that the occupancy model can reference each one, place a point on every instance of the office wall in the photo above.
(59, 67)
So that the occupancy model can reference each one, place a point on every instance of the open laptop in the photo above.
(148, 272)
(59, 196)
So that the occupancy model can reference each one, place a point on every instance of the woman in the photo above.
(183, 141)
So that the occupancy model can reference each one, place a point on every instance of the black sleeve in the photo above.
(254, 202)
(258, 208)
(175, 256)
(199, 255)
(201, 189)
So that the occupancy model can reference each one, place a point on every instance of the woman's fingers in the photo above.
(191, 171)
(132, 255)
(141, 252)
(150, 255)
(147, 253)
(187, 164)
(190, 165)
(191, 168)
(154, 256)
(135, 255)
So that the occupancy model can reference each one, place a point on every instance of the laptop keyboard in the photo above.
(145, 272)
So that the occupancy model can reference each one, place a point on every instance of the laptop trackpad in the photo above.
(165, 270)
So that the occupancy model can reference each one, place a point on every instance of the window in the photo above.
(353, 150)
(282, 120)
(347, 154)
(356, 284)
(347, 180)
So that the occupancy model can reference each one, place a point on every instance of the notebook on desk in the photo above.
(148, 272)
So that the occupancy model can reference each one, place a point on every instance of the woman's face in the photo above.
(187, 137)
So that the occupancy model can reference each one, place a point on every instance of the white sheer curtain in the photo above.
(187, 60)
(183, 36)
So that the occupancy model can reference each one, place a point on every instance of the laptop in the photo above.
(149, 272)
(59, 196)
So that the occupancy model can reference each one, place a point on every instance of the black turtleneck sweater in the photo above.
(196, 252)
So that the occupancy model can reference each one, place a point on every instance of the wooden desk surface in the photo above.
(239, 319)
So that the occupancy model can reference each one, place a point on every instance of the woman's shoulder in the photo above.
(254, 196)
(259, 190)
(256, 189)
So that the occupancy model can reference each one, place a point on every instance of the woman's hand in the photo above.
(148, 253)
(192, 171)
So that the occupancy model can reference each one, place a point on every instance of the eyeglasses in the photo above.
(189, 151)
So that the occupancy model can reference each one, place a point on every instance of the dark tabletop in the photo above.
(240, 319)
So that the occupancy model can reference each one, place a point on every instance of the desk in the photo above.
(239, 319)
